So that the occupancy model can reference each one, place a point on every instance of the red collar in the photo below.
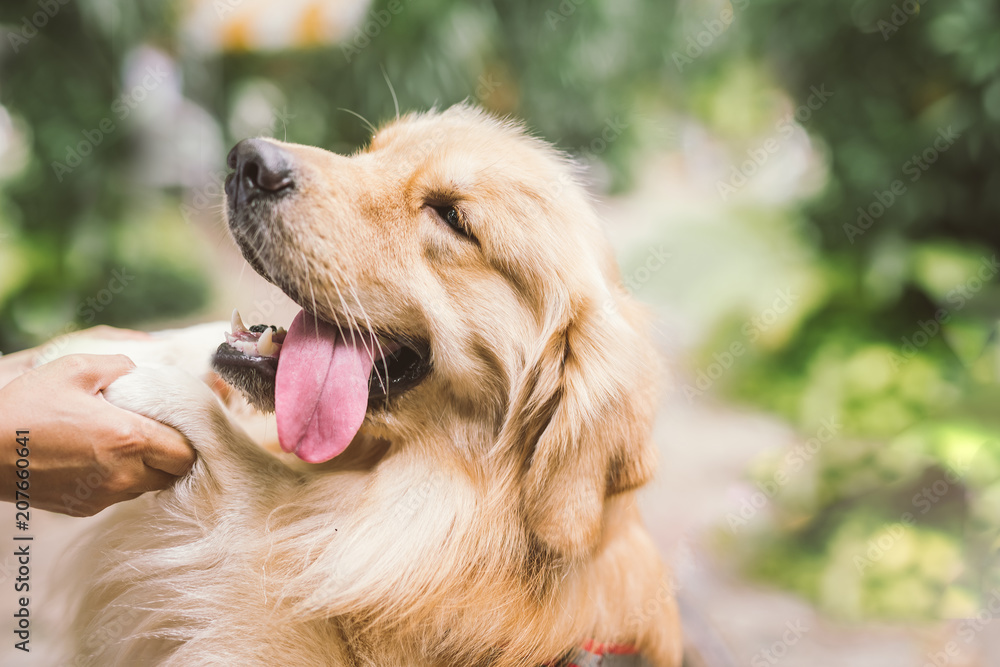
(598, 654)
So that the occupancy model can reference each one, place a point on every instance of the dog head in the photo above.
(456, 286)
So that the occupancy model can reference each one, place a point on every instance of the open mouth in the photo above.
(319, 379)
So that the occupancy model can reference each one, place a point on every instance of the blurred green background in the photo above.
(828, 185)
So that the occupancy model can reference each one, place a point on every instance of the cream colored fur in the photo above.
(488, 516)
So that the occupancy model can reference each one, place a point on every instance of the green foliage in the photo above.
(570, 70)
(899, 351)
(567, 69)
(60, 229)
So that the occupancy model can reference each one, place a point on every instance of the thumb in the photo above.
(163, 448)
(96, 372)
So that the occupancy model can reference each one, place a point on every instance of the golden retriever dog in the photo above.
(464, 403)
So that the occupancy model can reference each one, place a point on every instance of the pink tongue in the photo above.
(321, 391)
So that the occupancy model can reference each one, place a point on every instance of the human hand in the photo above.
(12, 365)
(85, 454)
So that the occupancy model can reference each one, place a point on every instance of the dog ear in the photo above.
(582, 413)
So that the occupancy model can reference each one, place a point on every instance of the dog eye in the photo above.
(451, 217)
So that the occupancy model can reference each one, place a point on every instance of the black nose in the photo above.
(261, 168)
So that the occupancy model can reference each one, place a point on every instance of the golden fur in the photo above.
(486, 516)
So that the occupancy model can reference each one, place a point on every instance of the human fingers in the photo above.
(151, 479)
(163, 448)
(93, 372)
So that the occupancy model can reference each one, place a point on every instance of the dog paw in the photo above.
(179, 400)
(175, 398)
(166, 394)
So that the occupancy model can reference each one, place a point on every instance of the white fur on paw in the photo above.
(173, 397)
(162, 393)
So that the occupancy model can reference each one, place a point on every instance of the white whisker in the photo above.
(395, 102)
(375, 340)
(365, 120)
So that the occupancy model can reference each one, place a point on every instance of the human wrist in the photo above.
(14, 364)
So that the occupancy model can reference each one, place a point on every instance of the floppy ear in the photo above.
(583, 411)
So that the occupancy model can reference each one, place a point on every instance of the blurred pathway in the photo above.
(719, 260)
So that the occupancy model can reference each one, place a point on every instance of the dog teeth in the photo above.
(237, 322)
(265, 346)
